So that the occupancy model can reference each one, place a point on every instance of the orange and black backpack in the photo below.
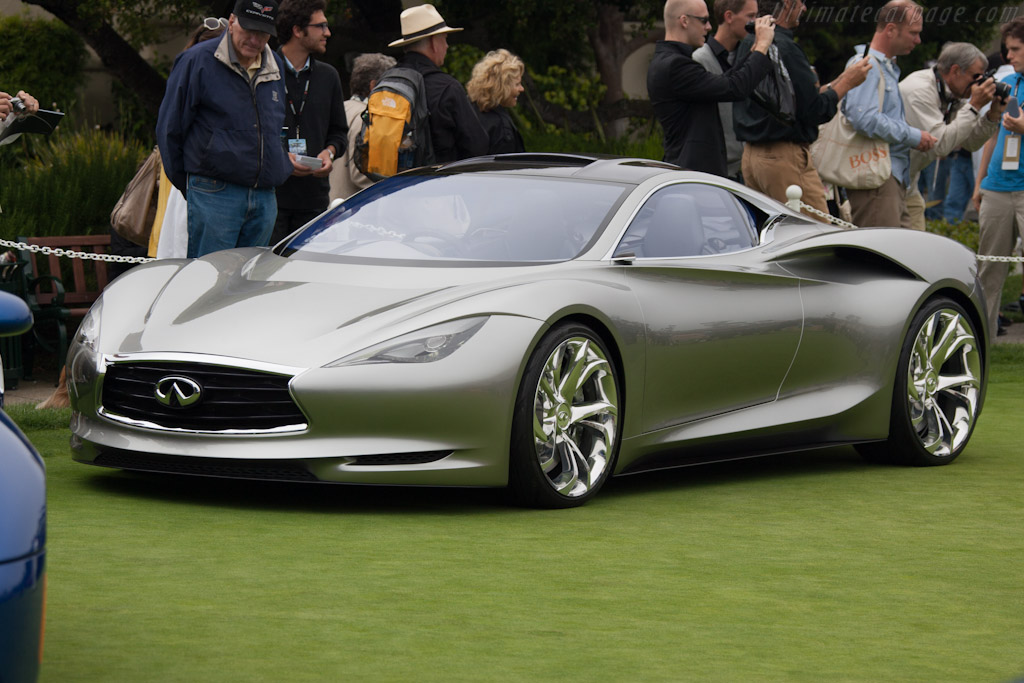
(396, 126)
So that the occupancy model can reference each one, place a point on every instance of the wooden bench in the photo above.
(59, 288)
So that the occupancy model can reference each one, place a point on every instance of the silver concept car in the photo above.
(540, 322)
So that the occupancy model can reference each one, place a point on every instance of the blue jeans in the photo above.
(961, 187)
(222, 215)
(958, 171)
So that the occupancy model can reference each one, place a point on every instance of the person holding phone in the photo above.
(999, 188)
(897, 33)
(946, 101)
(316, 129)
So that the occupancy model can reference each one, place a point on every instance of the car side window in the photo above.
(690, 219)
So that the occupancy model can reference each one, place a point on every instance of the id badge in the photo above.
(1011, 153)
(297, 145)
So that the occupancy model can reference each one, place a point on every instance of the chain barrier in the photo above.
(846, 224)
(87, 256)
(827, 216)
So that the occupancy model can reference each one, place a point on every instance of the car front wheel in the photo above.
(939, 389)
(565, 430)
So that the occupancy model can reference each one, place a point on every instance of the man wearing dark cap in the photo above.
(219, 132)
(455, 130)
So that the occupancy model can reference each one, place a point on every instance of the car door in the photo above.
(722, 324)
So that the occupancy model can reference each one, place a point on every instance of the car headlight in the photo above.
(422, 346)
(82, 356)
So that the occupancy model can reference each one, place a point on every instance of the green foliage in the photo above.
(460, 60)
(573, 90)
(964, 232)
(829, 32)
(647, 144)
(70, 186)
(43, 58)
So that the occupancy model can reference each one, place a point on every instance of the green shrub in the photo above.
(964, 232)
(43, 58)
(69, 187)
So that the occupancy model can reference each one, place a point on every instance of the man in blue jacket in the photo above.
(219, 132)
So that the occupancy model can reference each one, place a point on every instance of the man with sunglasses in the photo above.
(219, 132)
(685, 96)
(315, 122)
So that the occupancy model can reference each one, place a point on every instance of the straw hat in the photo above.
(420, 22)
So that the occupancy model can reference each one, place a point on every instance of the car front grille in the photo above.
(222, 398)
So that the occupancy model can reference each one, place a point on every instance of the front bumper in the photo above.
(445, 423)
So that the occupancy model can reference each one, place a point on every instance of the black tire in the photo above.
(938, 391)
(559, 459)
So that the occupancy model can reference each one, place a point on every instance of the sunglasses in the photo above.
(322, 26)
(706, 19)
(214, 23)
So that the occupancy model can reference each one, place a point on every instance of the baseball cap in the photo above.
(257, 15)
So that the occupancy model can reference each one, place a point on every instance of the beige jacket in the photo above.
(345, 178)
(923, 109)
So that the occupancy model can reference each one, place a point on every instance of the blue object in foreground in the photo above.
(22, 534)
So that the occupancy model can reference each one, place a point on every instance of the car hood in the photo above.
(254, 304)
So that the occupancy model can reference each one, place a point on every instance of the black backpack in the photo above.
(396, 126)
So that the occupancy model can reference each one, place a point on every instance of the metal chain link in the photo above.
(87, 256)
(827, 216)
(846, 224)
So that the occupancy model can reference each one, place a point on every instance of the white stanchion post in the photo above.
(793, 195)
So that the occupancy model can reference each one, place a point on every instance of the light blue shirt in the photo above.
(996, 179)
(861, 108)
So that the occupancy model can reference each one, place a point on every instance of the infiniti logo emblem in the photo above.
(175, 391)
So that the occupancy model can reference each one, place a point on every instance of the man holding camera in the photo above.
(685, 96)
(718, 56)
(777, 153)
(945, 101)
(999, 189)
(22, 103)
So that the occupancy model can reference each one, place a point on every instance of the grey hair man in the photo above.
(945, 101)
(367, 69)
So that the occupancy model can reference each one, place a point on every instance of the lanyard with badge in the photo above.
(1011, 144)
(297, 144)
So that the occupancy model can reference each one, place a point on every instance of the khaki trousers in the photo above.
(915, 207)
(884, 206)
(1000, 218)
(771, 167)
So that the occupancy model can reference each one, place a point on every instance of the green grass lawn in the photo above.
(807, 567)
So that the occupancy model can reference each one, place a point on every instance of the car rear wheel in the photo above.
(939, 389)
(565, 430)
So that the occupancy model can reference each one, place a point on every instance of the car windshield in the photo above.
(465, 216)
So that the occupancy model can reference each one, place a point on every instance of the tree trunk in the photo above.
(611, 50)
(134, 72)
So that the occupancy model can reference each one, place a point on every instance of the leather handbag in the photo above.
(134, 213)
(846, 158)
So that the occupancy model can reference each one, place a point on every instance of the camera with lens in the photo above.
(18, 105)
(1002, 89)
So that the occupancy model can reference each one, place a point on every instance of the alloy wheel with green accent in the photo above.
(939, 389)
(566, 424)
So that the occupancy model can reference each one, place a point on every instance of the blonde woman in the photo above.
(494, 87)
